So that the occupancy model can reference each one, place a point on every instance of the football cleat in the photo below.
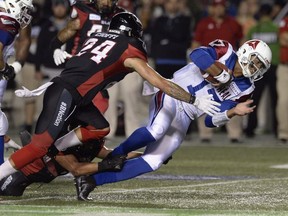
(84, 186)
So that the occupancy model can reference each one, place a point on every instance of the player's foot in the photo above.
(84, 186)
(25, 137)
(112, 163)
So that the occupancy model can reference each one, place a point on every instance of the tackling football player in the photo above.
(105, 59)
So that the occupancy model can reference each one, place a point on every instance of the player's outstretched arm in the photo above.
(170, 88)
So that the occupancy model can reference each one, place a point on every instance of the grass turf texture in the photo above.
(200, 180)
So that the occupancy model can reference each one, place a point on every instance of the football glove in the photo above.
(8, 73)
(207, 104)
(60, 56)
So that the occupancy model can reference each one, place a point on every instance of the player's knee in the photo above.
(157, 131)
(93, 134)
(154, 162)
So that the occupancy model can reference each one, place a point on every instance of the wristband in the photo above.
(17, 66)
(223, 77)
(192, 99)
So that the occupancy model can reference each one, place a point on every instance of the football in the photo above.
(210, 78)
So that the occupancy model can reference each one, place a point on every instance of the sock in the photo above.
(132, 168)
(1, 150)
(12, 144)
(68, 140)
(6, 169)
(138, 139)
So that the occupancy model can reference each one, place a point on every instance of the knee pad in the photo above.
(92, 134)
(4, 123)
(157, 131)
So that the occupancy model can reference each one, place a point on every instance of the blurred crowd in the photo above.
(172, 28)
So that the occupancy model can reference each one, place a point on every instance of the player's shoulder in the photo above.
(221, 45)
(9, 24)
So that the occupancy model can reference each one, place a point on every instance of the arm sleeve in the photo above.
(220, 118)
(203, 57)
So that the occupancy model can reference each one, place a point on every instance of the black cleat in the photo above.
(25, 137)
(84, 186)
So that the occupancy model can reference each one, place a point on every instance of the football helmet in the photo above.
(126, 23)
(254, 57)
(19, 9)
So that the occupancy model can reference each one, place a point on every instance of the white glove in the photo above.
(60, 56)
(207, 105)
(24, 92)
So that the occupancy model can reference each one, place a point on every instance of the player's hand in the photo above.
(244, 108)
(60, 56)
(207, 104)
(8, 73)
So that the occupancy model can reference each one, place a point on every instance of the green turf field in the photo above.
(211, 179)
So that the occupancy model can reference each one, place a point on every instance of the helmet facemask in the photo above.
(254, 67)
(20, 10)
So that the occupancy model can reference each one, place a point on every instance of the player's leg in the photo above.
(57, 106)
(14, 184)
(161, 113)
(155, 153)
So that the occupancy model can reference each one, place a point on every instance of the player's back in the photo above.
(100, 62)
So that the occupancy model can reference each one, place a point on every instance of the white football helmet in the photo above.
(254, 57)
(19, 9)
